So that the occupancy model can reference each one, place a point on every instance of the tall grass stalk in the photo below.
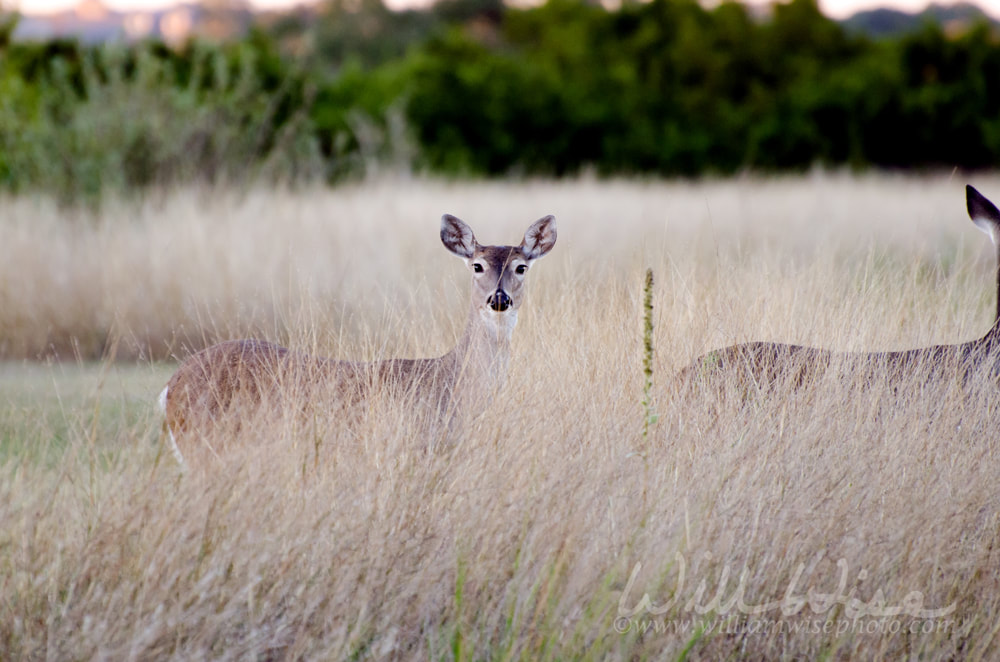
(649, 418)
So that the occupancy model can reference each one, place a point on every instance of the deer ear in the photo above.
(540, 238)
(983, 213)
(457, 237)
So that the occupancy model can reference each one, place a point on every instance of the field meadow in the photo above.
(837, 521)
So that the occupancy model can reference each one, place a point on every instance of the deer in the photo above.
(241, 379)
(763, 365)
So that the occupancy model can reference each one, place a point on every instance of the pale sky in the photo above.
(833, 8)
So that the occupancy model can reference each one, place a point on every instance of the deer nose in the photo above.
(498, 301)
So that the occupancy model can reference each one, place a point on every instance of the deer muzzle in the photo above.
(498, 301)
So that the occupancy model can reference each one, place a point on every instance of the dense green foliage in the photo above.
(665, 87)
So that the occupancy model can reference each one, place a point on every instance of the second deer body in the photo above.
(761, 365)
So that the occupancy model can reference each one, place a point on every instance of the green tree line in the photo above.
(474, 87)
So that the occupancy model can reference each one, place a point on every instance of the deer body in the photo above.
(240, 378)
(763, 364)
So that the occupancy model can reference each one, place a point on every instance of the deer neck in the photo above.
(992, 337)
(481, 357)
(997, 319)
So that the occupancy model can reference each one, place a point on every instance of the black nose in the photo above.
(498, 301)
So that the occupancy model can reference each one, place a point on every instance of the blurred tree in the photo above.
(366, 31)
(223, 20)
(477, 87)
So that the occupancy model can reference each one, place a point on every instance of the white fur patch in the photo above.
(174, 449)
(987, 226)
(499, 325)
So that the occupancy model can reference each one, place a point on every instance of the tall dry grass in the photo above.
(537, 536)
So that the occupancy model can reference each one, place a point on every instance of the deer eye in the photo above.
(478, 268)
(521, 268)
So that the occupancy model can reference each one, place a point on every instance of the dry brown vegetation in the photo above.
(536, 535)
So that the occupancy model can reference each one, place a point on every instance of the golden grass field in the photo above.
(839, 521)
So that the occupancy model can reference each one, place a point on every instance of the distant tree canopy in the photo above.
(475, 87)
